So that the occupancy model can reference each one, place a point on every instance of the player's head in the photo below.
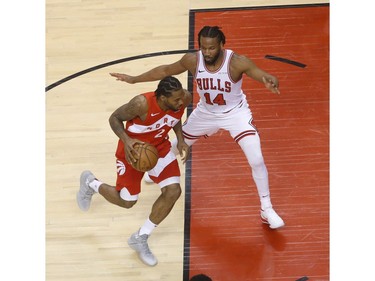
(211, 41)
(170, 93)
(211, 32)
(168, 85)
(200, 277)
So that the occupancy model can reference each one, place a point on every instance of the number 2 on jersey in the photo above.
(160, 133)
(219, 99)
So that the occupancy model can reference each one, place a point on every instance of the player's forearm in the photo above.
(258, 74)
(178, 131)
(154, 74)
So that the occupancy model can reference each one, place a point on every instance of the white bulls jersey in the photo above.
(218, 92)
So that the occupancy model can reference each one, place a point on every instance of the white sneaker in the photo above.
(270, 217)
(147, 178)
(139, 244)
(85, 192)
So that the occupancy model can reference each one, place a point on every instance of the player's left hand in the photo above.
(271, 84)
(184, 150)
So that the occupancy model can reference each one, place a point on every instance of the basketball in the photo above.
(148, 157)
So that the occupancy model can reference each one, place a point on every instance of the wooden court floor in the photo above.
(225, 239)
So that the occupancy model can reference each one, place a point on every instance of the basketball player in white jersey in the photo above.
(218, 73)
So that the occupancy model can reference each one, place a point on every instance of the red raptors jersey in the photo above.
(154, 129)
(218, 92)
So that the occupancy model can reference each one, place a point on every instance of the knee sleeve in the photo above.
(251, 147)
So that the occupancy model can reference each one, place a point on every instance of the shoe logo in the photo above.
(200, 71)
(120, 167)
(154, 114)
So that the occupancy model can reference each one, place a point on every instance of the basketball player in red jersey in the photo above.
(218, 73)
(149, 117)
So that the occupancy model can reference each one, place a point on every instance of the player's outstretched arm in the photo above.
(157, 73)
(247, 66)
(187, 62)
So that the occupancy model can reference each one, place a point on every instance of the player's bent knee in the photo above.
(127, 204)
(172, 192)
(251, 147)
(127, 200)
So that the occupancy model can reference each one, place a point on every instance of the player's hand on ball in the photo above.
(130, 153)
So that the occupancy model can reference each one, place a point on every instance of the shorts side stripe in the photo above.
(244, 134)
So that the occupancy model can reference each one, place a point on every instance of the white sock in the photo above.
(95, 184)
(147, 227)
(265, 202)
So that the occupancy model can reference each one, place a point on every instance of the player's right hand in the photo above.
(131, 154)
(123, 77)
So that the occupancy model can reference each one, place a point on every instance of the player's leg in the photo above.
(165, 202)
(245, 134)
(129, 186)
(138, 241)
(123, 198)
(167, 174)
(250, 145)
(124, 194)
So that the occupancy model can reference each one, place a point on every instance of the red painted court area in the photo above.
(227, 239)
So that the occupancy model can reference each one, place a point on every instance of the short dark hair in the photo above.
(200, 277)
(212, 32)
(168, 85)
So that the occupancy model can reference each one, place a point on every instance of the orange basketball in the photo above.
(148, 157)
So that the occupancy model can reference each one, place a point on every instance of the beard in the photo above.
(173, 107)
(213, 60)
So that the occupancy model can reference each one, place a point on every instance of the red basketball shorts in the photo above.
(165, 172)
